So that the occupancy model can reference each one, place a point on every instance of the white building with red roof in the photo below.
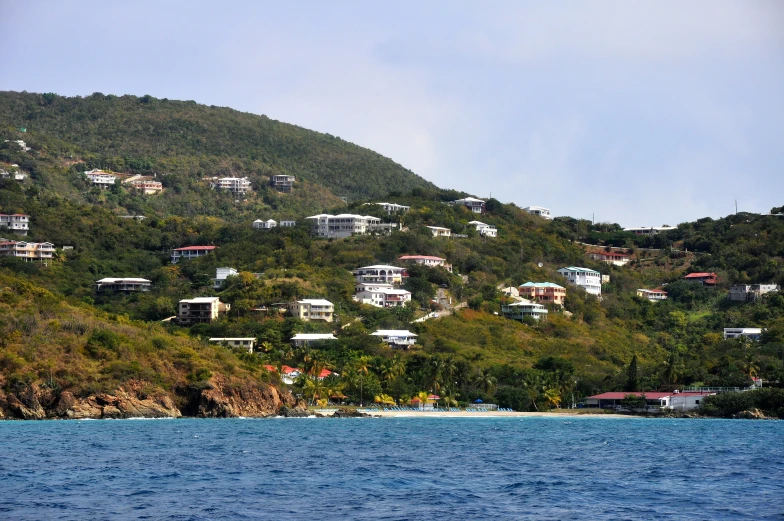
(654, 400)
(190, 252)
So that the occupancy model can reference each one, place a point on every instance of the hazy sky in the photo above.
(640, 113)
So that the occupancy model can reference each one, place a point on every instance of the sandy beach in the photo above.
(492, 414)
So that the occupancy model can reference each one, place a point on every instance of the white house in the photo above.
(524, 308)
(653, 295)
(654, 400)
(588, 279)
(472, 203)
(312, 309)
(426, 260)
(235, 185)
(391, 208)
(248, 343)
(258, 224)
(438, 231)
(101, 179)
(381, 295)
(650, 230)
(750, 292)
(400, 338)
(122, 284)
(752, 333)
(302, 339)
(14, 173)
(221, 274)
(18, 223)
(380, 273)
(485, 230)
(344, 225)
(282, 182)
(19, 142)
(610, 257)
(190, 252)
(287, 224)
(540, 211)
(200, 310)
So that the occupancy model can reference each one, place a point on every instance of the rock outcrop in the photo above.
(121, 404)
(751, 414)
(221, 399)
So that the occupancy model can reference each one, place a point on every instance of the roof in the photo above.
(527, 208)
(608, 253)
(200, 300)
(324, 373)
(314, 336)
(699, 275)
(195, 248)
(227, 339)
(576, 269)
(650, 395)
(468, 200)
(420, 257)
(288, 370)
(524, 302)
(110, 280)
(394, 332)
(541, 285)
(653, 290)
(380, 267)
(437, 228)
(315, 302)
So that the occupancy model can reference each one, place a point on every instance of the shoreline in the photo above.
(493, 414)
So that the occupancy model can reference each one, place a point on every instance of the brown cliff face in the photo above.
(217, 399)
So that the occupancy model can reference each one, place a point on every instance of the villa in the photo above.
(472, 203)
(438, 231)
(545, 292)
(248, 343)
(706, 279)
(282, 182)
(123, 285)
(752, 333)
(589, 280)
(522, 309)
(18, 223)
(312, 309)
(200, 310)
(258, 224)
(654, 401)
(426, 260)
(344, 225)
(380, 274)
(288, 224)
(28, 251)
(392, 208)
(144, 184)
(650, 230)
(539, 211)
(609, 257)
(396, 338)
(190, 252)
(235, 185)
(751, 292)
(101, 179)
(485, 230)
(221, 274)
(381, 295)
(654, 295)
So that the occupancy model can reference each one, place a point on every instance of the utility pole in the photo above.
(736, 207)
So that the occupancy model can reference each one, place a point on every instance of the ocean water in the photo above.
(400, 469)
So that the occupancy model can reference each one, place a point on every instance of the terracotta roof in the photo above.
(649, 395)
(699, 275)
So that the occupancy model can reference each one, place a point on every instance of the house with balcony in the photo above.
(706, 279)
(101, 179)
(282, 182)
(472, 203)
(539, 211)
(27, 251)
(752, 333)
(654, 295)
(610, 257)
(18, 223)
(288, 224)
(221, 274)
(122, 285)
(235, 185)
(381, 295)
(144, 184)
(438, 231)
(426, 260)
(522, 309)
(200, 310)
(396, 338)
(485, 230)
(650, 230)
(344, 225)
(751, 292)
(392, 208)
(312, 309)
(588, 279)
(258, 224)
(380, 273)
(247, 343)
(304, 339)
(543, 292)
(190, 252)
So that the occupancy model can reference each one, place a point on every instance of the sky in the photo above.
(640, 113)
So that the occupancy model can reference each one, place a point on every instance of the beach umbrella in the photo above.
(478, 401)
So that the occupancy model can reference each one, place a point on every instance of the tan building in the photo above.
(145, 185)
(200, 310)
(29, 251)
(312, 309)
(543, 292)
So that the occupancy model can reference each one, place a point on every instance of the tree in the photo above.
(631, 375)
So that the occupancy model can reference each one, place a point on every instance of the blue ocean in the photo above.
(393, 468)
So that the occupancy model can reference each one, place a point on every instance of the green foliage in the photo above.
(768, 400)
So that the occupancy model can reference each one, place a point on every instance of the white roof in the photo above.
(527, 208)
(314, 336)
(524, 302)
(469, 200)
(380, 285)
(437, 228)
(380, 267)
(110, 280)
(393, 332)
(477, 223)
(242, 339)
(315, 302)
(200, 300)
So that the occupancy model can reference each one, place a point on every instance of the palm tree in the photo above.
(422, 395)
(485, 381)
(749, 367)
(553, 397)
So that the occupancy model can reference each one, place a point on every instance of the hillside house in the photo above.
(524, 308)
(13, 173)
(610, 257)
(258, 224)
(303, 339)
(200, 310)
(122, 285)
(221, 274)
(654, 401)
(312, 309)
(190, 252)
(18, 223)
(485, 230)
(19, 142)
(101, 179)
(539, 211)
(654, 295)
(751, 292)
(396, 338)
(380, 273)
(344, 225)
(27, 251)
(438, 231)
(752, 333)
(543, 292)
(282, 183)
(144, 184)
(472, 203)
(288, 224)
(381, 295)
(589, 280)
(706, 279)
(426, 260)
(650, 230)
(247, 343)
(392, 208)
(235, 185)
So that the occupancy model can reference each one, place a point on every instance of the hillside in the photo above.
(467, 354)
